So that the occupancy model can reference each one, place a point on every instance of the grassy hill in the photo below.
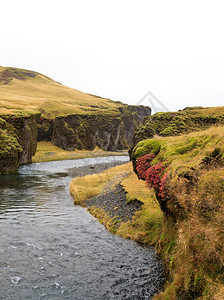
(23, 90)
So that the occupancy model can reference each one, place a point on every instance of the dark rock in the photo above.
(18, 141)
(115, 204)
(110, 132)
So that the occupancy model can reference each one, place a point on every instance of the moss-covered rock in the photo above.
(177, 123)
(108, 131)
(18, 141)
(2, 123)
(10, 153)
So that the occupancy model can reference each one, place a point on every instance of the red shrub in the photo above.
(143, 163)
(154, 175)
(156, 178)
(164, 192)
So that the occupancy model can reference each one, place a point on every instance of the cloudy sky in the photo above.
(121, 49)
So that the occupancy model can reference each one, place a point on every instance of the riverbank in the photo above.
(121, 202)
(46, 151)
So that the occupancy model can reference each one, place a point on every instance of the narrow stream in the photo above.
(51, 249)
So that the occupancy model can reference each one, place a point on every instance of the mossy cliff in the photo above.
(18, 141)
(108, 131)
(186, 173)
(177, 123)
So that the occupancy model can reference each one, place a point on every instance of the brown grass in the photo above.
(145, 226)
(83, 188)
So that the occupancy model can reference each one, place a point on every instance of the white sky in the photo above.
(121, 49)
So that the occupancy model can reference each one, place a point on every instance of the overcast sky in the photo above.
(121, 49)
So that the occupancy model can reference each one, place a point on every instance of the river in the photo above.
(52, 249)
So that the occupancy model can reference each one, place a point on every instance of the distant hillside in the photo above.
(23, 90)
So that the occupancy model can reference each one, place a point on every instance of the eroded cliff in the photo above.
(18, 141)
(107, 131)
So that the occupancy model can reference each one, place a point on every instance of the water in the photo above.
(51, 249)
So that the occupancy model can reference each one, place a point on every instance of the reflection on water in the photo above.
(51, 249)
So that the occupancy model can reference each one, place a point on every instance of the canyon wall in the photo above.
(109, 131)
(18, 141)
(112, 131)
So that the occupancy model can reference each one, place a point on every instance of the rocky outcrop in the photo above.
(18, 141)
(10, 150)
(108, 131)
(44, 129)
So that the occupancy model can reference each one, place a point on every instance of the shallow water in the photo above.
(51, 249)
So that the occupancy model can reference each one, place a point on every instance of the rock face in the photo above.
(19, 133)
(18, 141)
(108, 131)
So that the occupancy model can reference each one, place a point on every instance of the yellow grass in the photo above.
(145, 226)
(83, 188)
(49, 97)
(46, 151)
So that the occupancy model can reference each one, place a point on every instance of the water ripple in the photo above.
(51, 249)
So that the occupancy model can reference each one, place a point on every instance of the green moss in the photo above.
(148, 146)
(177, 123)
(9, 145)
(2, 123)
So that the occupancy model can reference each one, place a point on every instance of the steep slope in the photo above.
(186, 173)
(18, 141)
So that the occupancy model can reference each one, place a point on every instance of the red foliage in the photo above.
(143, 163)
(154, 174)
(164, 192)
